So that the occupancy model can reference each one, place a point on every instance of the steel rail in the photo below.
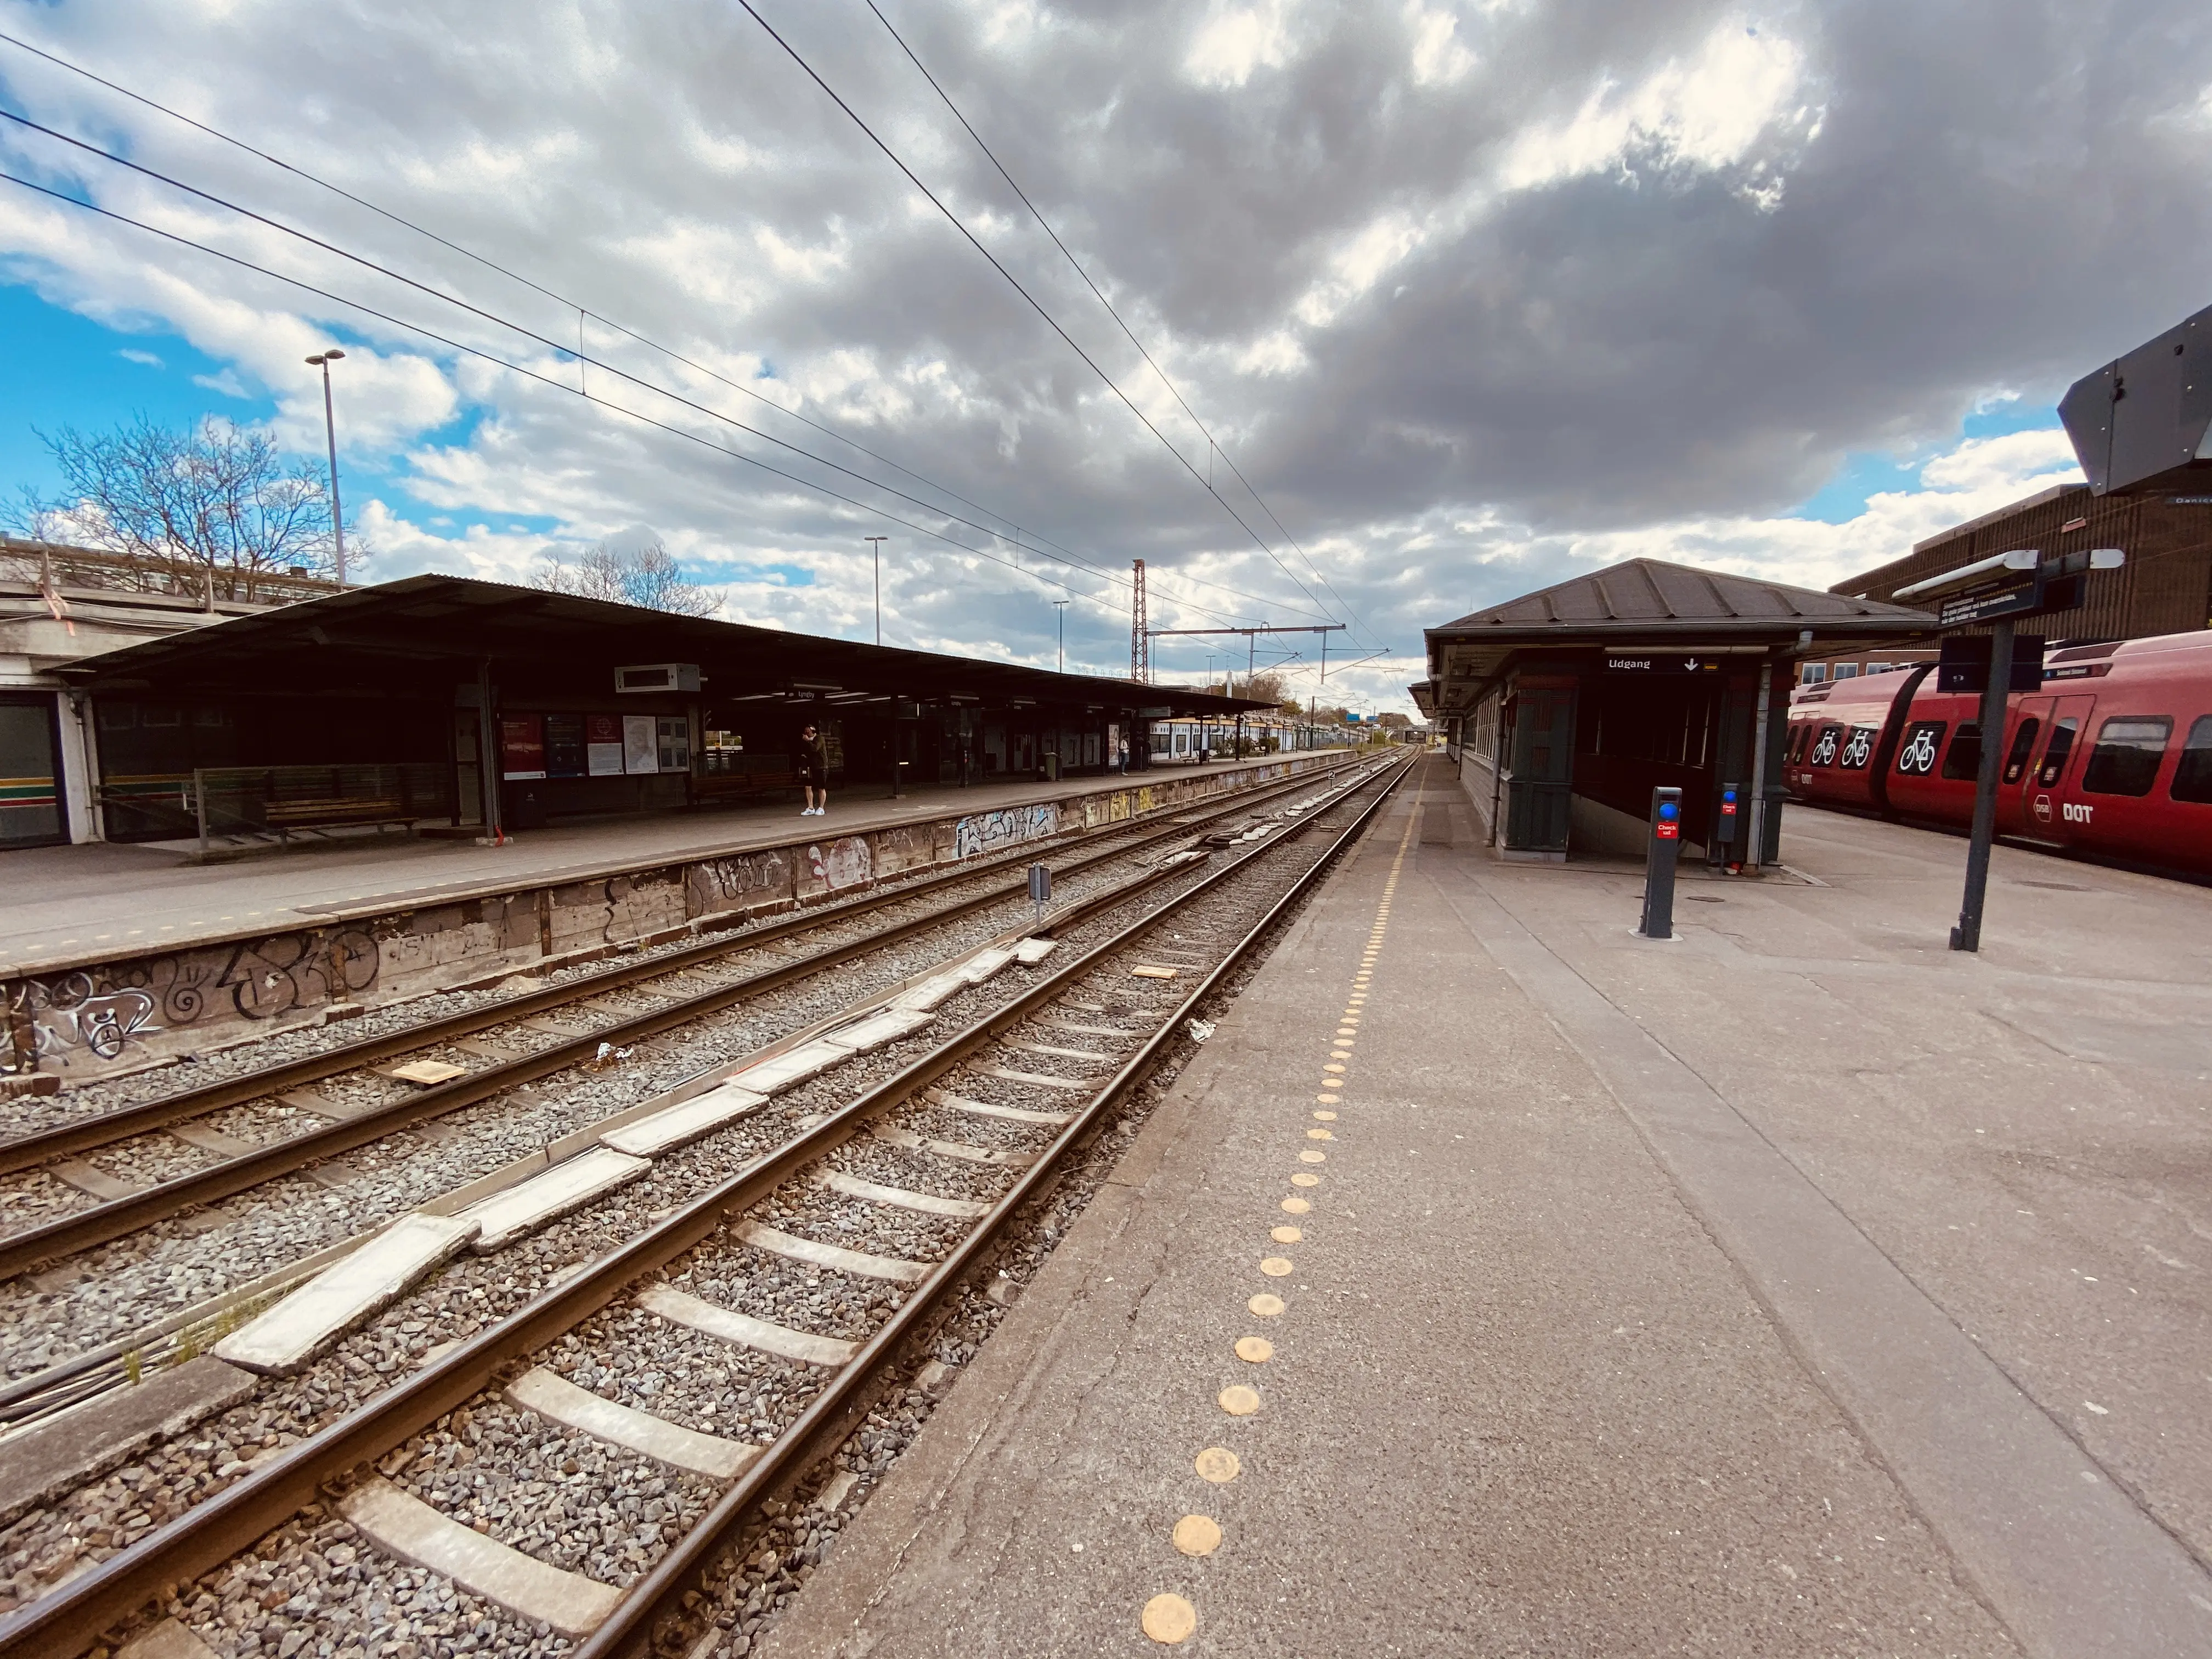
(75, 1614)
(630, 1628)
(118, 1217)
(27, 1151)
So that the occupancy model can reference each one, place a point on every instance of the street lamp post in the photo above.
(876, 546)
(323, 359)
(1061, 605)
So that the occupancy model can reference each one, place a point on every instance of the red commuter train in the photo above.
(2113, 758)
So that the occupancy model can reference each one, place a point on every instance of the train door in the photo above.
(2049, 782)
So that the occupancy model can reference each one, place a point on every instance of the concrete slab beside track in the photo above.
(1796, 1286)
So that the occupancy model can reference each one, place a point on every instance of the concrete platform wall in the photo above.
(99, 1017)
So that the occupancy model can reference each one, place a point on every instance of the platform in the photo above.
(103, 899)
(1797, 1287)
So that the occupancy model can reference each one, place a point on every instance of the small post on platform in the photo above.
(1664, 845)
(1040, 893)
(1968, 935)
(199, 807)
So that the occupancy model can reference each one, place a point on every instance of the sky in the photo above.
(1426, 305)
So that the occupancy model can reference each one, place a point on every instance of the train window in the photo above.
(1916, 755)
(2056, 753)
(1964, 760)
(2126, 757)
(2023, 744)
(1858, 749)
(1824, 746)
(2192, 778)
(1800, 735)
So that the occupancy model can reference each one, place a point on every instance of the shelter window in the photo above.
(2192, 778)
(1964, 760)
(2126, 757)
(2023, 744)
(1923, 741)
(1824, 749)
(2056, 752)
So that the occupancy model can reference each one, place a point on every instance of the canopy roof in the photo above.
(394, 637)
(1669, 606)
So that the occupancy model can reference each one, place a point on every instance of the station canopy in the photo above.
(1650, 606)
(392, 637)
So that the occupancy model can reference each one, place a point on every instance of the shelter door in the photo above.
(1542, 777)
(30, 793)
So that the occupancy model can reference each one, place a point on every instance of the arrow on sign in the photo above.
(1690, 663)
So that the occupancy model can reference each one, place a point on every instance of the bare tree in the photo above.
(210, 509)
(649, 577)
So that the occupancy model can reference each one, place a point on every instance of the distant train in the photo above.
(2113, 757)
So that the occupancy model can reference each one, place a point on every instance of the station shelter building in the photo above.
(467, 706)
(1563, 709)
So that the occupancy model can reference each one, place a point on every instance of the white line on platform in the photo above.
(743, 1330)
(555, 1398)
(402, 1525)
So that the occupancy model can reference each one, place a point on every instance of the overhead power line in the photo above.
(1111, 605)
(1020, 531)
(1037, 214)
(1051, 321)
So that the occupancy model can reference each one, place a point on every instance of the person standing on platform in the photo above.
(1125, 757)
(813, 766)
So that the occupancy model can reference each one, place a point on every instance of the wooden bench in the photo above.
(286, 816)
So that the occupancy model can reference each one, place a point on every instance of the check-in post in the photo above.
(1998, 591)
(1662, 847)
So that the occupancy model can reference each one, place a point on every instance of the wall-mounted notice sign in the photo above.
(522, 746)
(640, 743)
(603, 744)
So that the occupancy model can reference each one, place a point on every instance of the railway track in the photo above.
(710, 1359)
(192, 1126)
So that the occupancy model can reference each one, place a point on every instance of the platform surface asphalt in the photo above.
(1798, 1287)
(104, 898)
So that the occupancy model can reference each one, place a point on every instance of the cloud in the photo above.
(1477, 293)
(224, 382)
(132, 355)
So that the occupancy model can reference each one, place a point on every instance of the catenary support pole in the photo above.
(1968, 935)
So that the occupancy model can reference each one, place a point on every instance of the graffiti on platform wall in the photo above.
(104, 1012)
(845, 863)
(986, 832)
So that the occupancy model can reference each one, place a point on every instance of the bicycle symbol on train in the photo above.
(1919, 755)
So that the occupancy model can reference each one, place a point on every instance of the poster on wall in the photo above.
(603, 744)
(640, 743)
(565, 745)
(522, 746)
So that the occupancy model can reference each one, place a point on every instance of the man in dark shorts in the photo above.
(813, 767)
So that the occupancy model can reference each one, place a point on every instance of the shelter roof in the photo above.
(1653, 603)
(1647, 596)
(381, 635)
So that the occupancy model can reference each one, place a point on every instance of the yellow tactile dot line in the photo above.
(1168, 1619)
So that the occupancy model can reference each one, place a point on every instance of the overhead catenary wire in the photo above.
(568, 303)
(1051, 321)
(1213, 447)
(492, 358)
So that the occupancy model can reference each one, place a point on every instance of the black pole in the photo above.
(1968, 935)
(1662, 848)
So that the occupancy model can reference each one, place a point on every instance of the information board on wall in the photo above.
(640, 743)
(565, 745)
(522, 746)
(603, 744)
